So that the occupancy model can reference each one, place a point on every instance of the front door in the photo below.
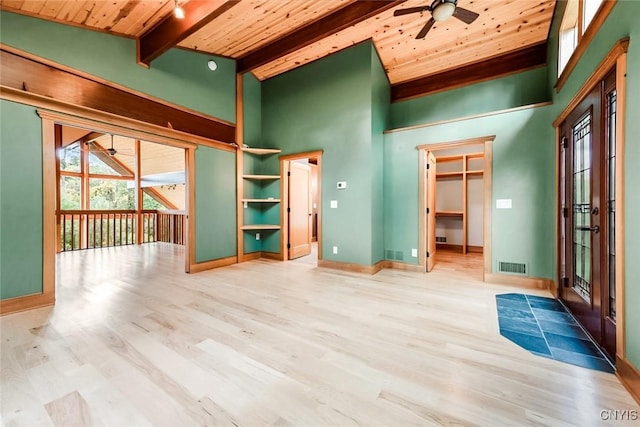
(586, 251)
(300, 211)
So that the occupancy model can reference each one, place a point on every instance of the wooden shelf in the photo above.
(453, 214)
(261, 151)
(261, 227)
(261, 177)
(260, 200)
(452, 158)
(449, 174)
(478, 172)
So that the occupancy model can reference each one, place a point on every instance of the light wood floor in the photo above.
(133, 341)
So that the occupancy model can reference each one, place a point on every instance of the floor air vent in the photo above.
(512, 268)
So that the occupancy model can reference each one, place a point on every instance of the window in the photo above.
(590, 7)
(576, 20)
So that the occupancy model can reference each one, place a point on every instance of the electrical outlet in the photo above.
(257, 236)
(246, 204)
(335, 249)
(414, 253)
(334, 204)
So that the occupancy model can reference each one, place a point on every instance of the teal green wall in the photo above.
(252, 110)
(178, 76)
(526, 88)
(523, 167)
(523, 170)
(327, 105)
(380, 98)
(215, 204)
(20, 201)
(622, 22)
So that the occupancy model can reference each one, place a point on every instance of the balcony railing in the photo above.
(87, 229)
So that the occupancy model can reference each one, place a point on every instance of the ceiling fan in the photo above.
(441, 10)
(111, 151)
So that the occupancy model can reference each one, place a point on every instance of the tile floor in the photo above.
(544, 327)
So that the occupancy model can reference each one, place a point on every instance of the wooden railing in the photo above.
(86, 229)
(170, 226)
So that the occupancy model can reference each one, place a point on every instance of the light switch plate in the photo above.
(414, 253)
(335, 249)
(503, 203)
(334, 204)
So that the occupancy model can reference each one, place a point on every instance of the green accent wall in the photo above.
(252, 110)
(178, 76)
(20, 200)
(523, 170)
(622, 22)
(327, 105)
(215, 194)
(526, 88)
(380, 98)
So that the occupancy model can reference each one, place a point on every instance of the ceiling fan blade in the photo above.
(465, 15)
(423, 32)
(411, 10)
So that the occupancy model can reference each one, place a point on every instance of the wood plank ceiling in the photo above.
(270, 37)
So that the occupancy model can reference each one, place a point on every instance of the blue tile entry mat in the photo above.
(545, 328)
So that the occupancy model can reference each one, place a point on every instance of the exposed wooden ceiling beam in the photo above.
(38, 78)
(339, 20)
(171, 30)
(498, 66)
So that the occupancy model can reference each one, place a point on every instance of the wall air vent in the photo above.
(389, 254)
(512, 268)
(399, 255)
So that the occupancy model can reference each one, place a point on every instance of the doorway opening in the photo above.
(455, 205)
(114, 190)
(102, 228)
(301, 215)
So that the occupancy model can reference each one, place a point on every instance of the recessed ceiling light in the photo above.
(178, 12)
(212, 65)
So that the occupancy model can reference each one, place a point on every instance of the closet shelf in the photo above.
(260, 200)
(261, 177)
(455, 214)
(261, 151)
(261, 227)
(449, 174)
(477, 172)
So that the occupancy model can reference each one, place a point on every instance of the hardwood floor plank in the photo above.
(134, 340)
(70, 410)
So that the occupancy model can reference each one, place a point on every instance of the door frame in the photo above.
(617, 57)
(487, 167)
(285, 159)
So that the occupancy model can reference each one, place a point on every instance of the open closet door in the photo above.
(431, 210)
(299, 210)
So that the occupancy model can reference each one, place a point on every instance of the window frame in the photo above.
(584, 35)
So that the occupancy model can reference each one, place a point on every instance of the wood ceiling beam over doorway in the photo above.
(337, 21)
(171, 30)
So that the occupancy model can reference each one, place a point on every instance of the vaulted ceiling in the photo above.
(270, 37)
